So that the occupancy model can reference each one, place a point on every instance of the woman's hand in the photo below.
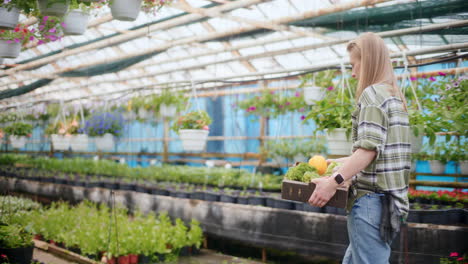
(325, 188)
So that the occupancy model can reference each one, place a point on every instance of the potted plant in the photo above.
(76, 19)
(142, 106)
(19, 132)
(321, 82)
(16, 243)
(438, 158)
(9, 12)
(333, 115)
(104, 127)
(168, 103)
(153, 6)
(193, 130)
(53, 7)
(65, 133)
(12, 40)
(125, 10)
(267, 104)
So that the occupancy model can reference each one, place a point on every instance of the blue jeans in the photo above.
(365, 244)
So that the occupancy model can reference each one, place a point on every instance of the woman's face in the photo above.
(356, 64)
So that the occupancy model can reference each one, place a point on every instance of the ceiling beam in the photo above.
(384, 34)
(132, 35)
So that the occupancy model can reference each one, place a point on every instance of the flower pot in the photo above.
(416, 143)
(314, 209)
(130, 115)
(338, 143)
(9, 50)
(437, 167)
(56, 9)
(242, 200)
(123, 260)
(133, 259)
(193, 139)
(211, 197)
(125, 10)
(198, 195)
(60, 142)
(167, 110)
(225, 198)
(464, 167)
(255, 200)
(18, 255)
(79, 142)
(313, 94)
(76, 22)
(159, 191)
(143, 113)
(105, 142)
(9, 18)
(18, 141)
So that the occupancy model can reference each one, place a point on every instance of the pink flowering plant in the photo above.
(49, 29)
(455, 258)
(20, 34)
(323, 79)
(153, 6)
(267, 104)
(193, 120)
(27, 6)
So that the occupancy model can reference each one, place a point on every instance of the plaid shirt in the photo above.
(380, 123)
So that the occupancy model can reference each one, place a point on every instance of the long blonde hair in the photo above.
(376, 66)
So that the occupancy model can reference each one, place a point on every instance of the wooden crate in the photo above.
(301, 192)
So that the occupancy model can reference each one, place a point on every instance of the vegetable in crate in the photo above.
(297, 173)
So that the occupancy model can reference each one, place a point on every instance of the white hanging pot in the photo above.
(313, 94)
(464, 167)
(193, 139)
(79, 142)
(129, 115)
(125, 10)
(143, 113)
(167, 110)
(76, 22)
(338, 143)
(416, 142)
(9, 18)
(58, 9)
(18, 142)
(60, 142)
(9, 50)
(437, 167)
(105, 142)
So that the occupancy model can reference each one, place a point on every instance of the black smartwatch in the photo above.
(339, 179)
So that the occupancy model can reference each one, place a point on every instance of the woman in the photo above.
(380, 164)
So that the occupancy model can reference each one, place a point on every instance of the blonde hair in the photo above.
(376, 66)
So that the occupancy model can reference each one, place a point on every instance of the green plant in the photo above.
(334, 111)
(193, 120)
(323, 79)
(153, 6)
(454, 258)
(292, 147)
(19, 129)
(168, 98)
(14, 236)
(27, 6)
(267, 104)
(20, 34)
(102, 123)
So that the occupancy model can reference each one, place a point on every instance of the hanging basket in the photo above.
(60, 142)
(105, 142)
(193, 139)
(125, 10)
(464, 167)
(416, 143)
(9, 18)
(55, 9)
(338, 143)
(9, 50)
(79, 142)
(167, 110)
(18, 142)
(76, 22)
(313, 94)
(143, 113)
(437, 167)
(129, 115)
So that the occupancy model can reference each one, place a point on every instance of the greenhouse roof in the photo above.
(221, 41)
